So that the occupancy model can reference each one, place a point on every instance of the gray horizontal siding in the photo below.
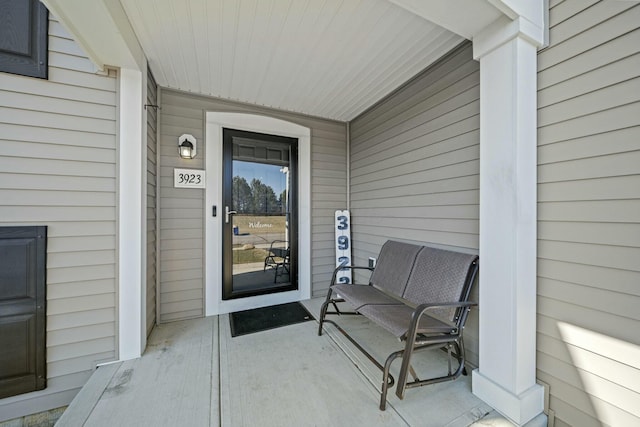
(58, 168)
(181, 216)
(589, 213)
(415, 166)
(152, 173)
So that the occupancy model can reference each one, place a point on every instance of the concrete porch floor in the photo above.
(194, 373)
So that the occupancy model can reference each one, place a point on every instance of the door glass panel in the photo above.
(261, 226)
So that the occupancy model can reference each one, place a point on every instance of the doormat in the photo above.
(261, 319)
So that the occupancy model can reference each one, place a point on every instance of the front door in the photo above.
(259, 214)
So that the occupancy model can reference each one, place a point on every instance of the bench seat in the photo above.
(361, 295)
(397, 320)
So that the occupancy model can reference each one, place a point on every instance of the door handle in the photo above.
(227, 214)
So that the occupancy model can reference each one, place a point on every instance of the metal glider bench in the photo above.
(420, 295)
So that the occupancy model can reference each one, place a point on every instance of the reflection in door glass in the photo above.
(260, 226)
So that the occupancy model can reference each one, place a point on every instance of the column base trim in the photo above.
(519, 409)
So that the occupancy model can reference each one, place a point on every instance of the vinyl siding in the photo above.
(415, 166)
(58, 168)
(152, 153)
(589, 213)
(181, 218)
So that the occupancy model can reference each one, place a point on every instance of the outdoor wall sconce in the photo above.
(187, 146)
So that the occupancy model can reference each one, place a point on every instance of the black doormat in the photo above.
(262, 319)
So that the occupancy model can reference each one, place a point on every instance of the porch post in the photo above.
(132, 215)
(506, 378)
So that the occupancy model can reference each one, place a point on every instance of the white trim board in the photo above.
(132, 217)
(216, 121)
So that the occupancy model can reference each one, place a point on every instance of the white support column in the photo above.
(506, 378)
(131, 215)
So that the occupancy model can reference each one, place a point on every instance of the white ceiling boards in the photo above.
(327, 58)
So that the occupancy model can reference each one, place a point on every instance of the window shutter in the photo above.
(23, 37)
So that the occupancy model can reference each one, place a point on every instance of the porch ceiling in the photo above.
(327, 58)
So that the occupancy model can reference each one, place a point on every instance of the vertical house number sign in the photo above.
(343, 245)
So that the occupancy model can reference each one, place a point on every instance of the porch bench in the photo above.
(417, 293)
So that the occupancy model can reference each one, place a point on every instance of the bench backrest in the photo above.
(393, 266)
(440, 275)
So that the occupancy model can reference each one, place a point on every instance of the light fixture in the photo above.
(187, 146)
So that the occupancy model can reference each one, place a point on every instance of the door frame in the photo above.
(215, 122)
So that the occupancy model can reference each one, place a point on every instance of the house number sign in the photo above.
(188, 178)
(343, 245)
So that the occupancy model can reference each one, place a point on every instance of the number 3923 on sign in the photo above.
(188, 178)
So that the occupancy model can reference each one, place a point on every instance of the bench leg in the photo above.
(461, 355)
(406, 364)
(323, 310)
(387, 381)
(456, 349)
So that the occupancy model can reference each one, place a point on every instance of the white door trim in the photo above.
(213, 227)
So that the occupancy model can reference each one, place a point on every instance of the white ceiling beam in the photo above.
(469, 17)
(463, 17)
(102, 29)
(533, 16)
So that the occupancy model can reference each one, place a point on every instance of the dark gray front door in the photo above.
(22, 309)
(260, 215)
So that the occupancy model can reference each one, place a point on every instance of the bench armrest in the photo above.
(423, 308)
(345, 267)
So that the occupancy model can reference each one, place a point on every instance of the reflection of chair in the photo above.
(282, 267)
(278, 258)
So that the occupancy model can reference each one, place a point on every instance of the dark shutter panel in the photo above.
(22, 309)
(23, 37)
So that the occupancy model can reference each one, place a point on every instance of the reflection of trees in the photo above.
(242, 200)
(254, 198)
(264, 198)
